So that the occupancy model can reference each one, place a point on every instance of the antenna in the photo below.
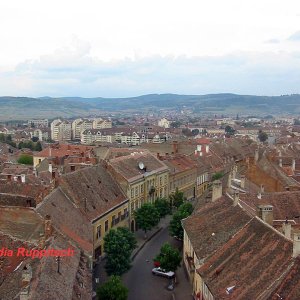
(141, 166)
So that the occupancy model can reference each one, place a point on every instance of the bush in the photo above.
(25, 159)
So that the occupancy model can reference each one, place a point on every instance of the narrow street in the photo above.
(142, 284)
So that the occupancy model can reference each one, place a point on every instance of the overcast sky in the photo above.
(118, 48)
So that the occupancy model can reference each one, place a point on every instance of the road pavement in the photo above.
(143, 285)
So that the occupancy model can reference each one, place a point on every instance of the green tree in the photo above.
(113, 289)
(217, 176)
(183, 212)
(186, 206)
(262, 136)
(147, 216)
(38, 146)
(130, 238)
(162, 206)
(229, 130)
(118, 246)
(169, 258)
(177, 198)
(25, 159)
(175, 124)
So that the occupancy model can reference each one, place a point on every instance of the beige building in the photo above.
(61, 130)
(164, 123)
(142, 177)
(100, 123)
(80, 125)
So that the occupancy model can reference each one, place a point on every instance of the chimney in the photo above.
(175, 147)
(262, 188)
(199, 148)
(50, 168)
(296, 244)
(256, 155)
(157, 155)
(243, 181)
(280, 162)
(26, 278)
(47, 226)
(265, 212)
(293, 164)
(287, 228)
(23, 178)
(236, 198)
(207, 148)
(216, 190)
(9, 177)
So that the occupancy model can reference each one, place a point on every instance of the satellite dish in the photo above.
(141, 165)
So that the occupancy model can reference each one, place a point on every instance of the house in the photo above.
(84, 206)
(142, 177)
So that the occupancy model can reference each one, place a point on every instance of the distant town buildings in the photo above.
(38, 123)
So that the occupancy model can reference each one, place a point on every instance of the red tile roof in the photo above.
(251, 262)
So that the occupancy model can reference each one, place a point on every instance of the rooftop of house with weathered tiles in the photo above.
(136, 165)
(178, 163)
(249, 264)
(61, 150)
(214, 224)
(68, 219)
(39, 278)
(22, 223)
(289, 288)
(92, 189)
(285, 204)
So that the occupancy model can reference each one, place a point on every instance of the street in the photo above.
(143, 285)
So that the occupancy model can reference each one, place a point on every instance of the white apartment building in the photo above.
(38, 123)
(61, 130)
(100, 123)
(80, 125)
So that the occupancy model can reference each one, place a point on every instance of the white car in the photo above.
(159, 271)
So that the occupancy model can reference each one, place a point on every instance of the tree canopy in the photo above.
(262, 136)
(113, 289)
(118, 246)
(177, 198)
(183, 212)
(25, 159)
(163, 206)
(147, 216)
(169, 258)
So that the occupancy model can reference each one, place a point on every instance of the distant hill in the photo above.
(22, 108)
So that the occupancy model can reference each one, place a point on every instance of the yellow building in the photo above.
(183, 174)
(142, 177)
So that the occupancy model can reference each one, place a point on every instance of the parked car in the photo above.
(159, 271)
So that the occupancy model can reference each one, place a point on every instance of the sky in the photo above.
(118, 48)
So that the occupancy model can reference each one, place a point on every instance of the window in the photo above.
(142, 188)
(98, 234)
(132, 193)
(136, 190)
(119, 216)
(106, 225)
(113, 220)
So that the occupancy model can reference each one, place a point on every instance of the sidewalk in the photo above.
(140, 235)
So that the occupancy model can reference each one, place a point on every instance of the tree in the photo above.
(147, 216)
(175, 124)
(262, 136)
(229, 130)
(113, 289)
(25, 159)
(183, 212)
(177, 198)
(163, 206)
(130, 238)
(217, 176)
(38, 146)
(195, 132)
(34, 139)
(186, 206)
(118, 246)
(169, 258)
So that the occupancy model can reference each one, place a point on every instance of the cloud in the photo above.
(272, 41)
(73, 71)
(295, 36)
